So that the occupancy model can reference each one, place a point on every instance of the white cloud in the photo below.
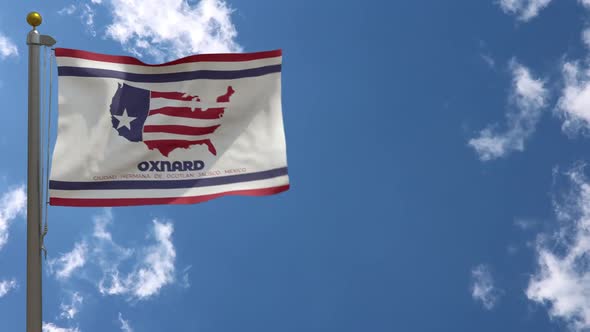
(69, 10)
(511, 249)
(12, 204)
(154, 271)
(525, 223)
(482, 287)
(87, 17)
(167, 29)
(6, 286)
(100, 226)
(7, 47)
(85, 12)
(125, 327)
(574, 103)
(158, 266)
(529, 97)
(111, 284)
(563, 278)
(586, 37)
(69, 311)
(108, 254)
(488, 60)
(141, 279)
(64, 266)
(185, 277)
(50, 327)
(524, 9)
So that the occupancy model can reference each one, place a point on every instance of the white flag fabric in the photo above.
(181, 132)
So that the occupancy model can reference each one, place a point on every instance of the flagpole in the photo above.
(34, 291)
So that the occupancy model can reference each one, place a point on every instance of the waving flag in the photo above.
(181, 132)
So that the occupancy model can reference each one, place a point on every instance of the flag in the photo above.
(181, 132)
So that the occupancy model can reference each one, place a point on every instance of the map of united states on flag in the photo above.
(167, 120)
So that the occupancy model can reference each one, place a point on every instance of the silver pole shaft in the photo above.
(34, 291)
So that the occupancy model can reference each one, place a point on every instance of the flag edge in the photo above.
(128, 60)
(114, 202)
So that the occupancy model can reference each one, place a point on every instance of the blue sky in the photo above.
(437, 155)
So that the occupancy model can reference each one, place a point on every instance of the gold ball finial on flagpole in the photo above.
(34, 19)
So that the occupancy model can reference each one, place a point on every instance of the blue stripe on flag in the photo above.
(167, 184)
(168, 77)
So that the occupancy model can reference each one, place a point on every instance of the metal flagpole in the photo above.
(34, 310)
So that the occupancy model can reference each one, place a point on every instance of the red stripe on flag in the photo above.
(96, 202)
(166, 146)
(187, 112)
(223, 57)
(182, 130)
(173, 95)
(225, 98)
